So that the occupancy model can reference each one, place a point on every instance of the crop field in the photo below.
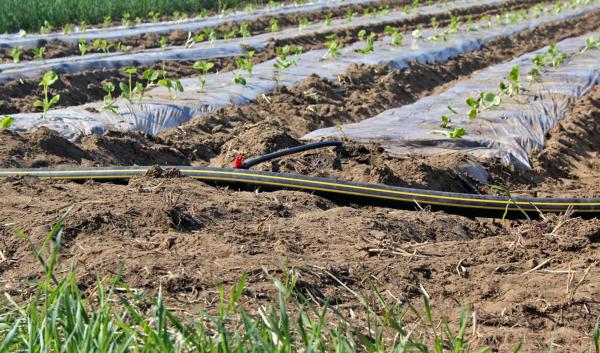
(278, 176)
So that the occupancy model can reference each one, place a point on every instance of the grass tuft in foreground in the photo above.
(60, 317)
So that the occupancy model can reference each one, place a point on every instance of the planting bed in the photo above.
(531, 280)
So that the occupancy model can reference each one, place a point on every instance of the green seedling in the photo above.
(537, 10)
(173, 86)
(443, 36)
(445, 122)
(514, 84)
(397, 37)
(210, 34)
(203, 13)
(558, 8)
(162, 43)
(6, 122)
(122, 47)
(193, 39)
(274, 25)
(150, 76)
(127, 89)
(107, 21)
(370, 42)
(48, 80)
(418, 33)
(487, 19)
(109, 101)
(46, 28)
(245, 30)
(302, 23)
(83, 26)
(384, 10)
(287, 57)
(16, 54)
(406, 10)
(68, 28)
(154, 16)
(557, 57)
(203, 66)
(470, 26)
(540, 63)
(84, 47)
(456, 133)
(434, 23)
(245, 63)
(484, 101)
(454, 24)
(328, 19)
(126, 19)
(590, 43)
(333, 46)
(232, 33)
(38, 53)
(416, 4)
(102, 45)
(350, 15)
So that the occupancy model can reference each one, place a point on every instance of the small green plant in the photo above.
(302, 23)
(68, 28)
(193, 39)
(434, 23)
(442, 36)
(245, 63)
(231, 33)
(274, 24)
(540, 62)
(122, 47)
(350, 15)
(48, 80)
(328, 19)
(418, 33)
(107, 21)
(456, 133)
(203, 13)
(162, 43)
(109, 101)
(514, 84)
(454, 24)
(83, 26)
(210, 34)
(370, 42)
(38, 53)
(287, 57)
(102, 45)
(557, 56)
(445, 122)
(126, 19)
(154, 16)
(395, 34)
(6, 122)
(470, 26)
(406, 10)
(484, 101)
(127, 89)
(416, 4)
(590, 43)
(46, 28)
(173, 86)
(203, 66)
(15, 53)
(333, 46)
(84, 46)
(245, 30)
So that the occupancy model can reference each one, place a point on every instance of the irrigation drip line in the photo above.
(372, 194)
(309, 146)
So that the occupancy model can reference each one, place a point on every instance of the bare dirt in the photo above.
(84, 87)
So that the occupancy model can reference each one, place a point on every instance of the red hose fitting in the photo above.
(238, 162)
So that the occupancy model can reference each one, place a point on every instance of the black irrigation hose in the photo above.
(380, 195)
(252, 162)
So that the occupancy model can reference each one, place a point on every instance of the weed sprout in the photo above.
(204, 67)
(48, 80)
